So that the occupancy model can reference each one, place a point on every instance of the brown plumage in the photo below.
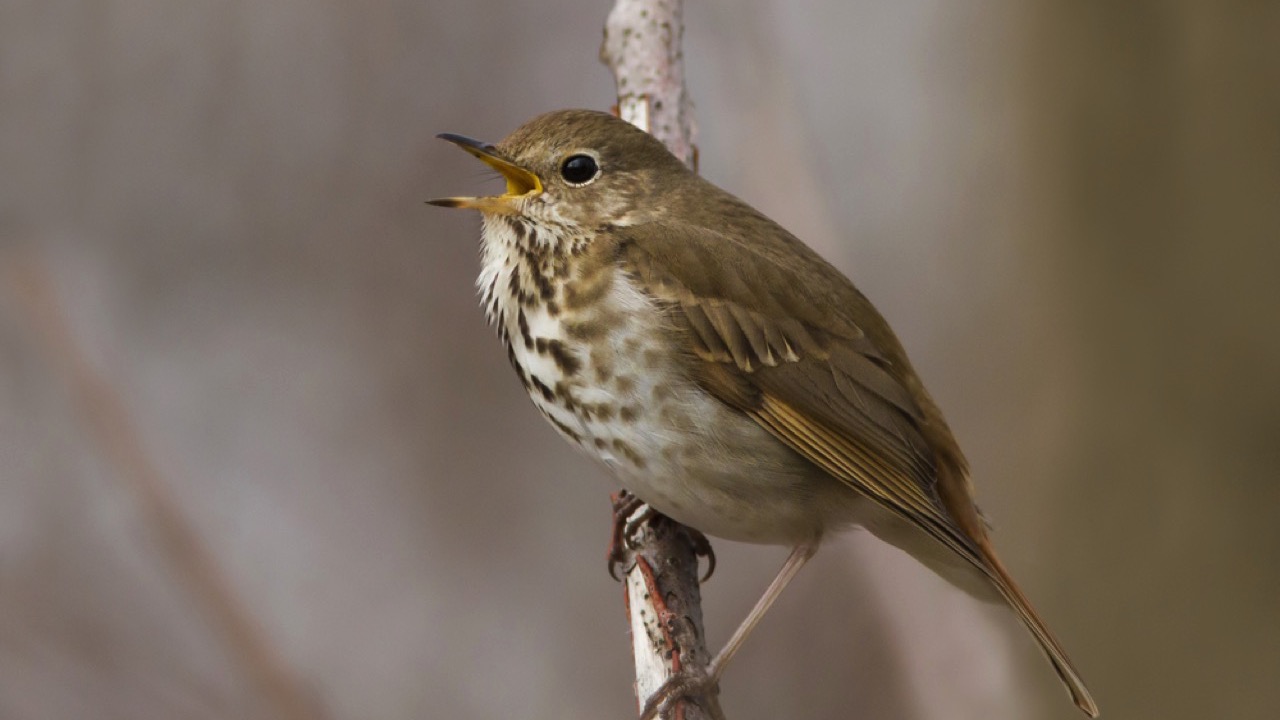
(827, 376)
(750, 331)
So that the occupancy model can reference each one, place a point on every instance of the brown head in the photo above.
(575, 169)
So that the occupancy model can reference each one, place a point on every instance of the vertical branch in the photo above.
(642, 46)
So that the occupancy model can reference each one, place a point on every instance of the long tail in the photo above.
(1061, 663)
(957, 496)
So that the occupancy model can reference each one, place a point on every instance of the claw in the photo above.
(702, 548)
(624, 506)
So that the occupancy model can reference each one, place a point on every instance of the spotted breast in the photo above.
(595, 354)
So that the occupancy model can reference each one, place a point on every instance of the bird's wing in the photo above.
(772, 332)
(775, 331)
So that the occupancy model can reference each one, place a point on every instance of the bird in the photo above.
(719, 368)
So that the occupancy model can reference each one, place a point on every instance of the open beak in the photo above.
(520, 182)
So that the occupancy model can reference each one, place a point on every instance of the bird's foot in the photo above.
(702, 548)
(685, 686)
(626, 523)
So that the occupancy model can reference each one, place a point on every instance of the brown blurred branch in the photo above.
(118, 439)
(642, 46)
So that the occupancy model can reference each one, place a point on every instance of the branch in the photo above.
(664, 605)
(642, 47)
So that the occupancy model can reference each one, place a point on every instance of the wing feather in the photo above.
(816, 366)
(816, 380)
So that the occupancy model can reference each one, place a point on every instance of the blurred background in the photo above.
(260, 457)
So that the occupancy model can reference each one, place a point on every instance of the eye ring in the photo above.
(579, 169)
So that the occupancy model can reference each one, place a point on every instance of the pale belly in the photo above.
(624, 399)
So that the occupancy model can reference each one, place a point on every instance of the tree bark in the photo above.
(642, 46)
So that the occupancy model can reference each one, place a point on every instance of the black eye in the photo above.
(579, 169)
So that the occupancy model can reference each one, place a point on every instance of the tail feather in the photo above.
(1052, 648)
(956, 493)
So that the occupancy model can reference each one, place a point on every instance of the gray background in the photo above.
(1069, 210)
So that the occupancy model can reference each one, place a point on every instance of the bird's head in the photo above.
(575, 169)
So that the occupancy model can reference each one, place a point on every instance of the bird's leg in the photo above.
(697, 684)
(800, 555)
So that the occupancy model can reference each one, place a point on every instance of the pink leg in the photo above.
(796, 560)
(689, 685)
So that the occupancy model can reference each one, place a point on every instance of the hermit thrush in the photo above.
(719, 368)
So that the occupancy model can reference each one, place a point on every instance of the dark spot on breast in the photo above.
(516, 289)
(629, 453)
(527, 255)
(523, 322)
(563, 357)
(602, 363)
(503, 335)
(560, 266)
(629, 413)
(545, 289)
(546, 392)
(552, 308)
(520, 373)
(626, 384)
(584, 330)
(568, 431)
(587, 292)
(601, 444)
(603, 412)
(565, 396)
